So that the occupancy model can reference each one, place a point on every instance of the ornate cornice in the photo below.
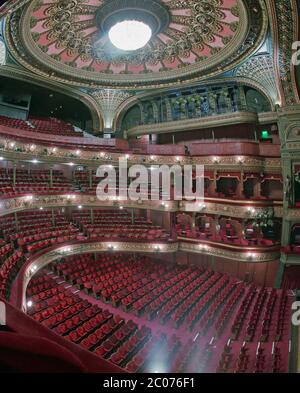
(29, 202)
(284, 26)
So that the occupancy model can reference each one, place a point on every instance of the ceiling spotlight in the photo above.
(79, 207)
(130, 35)
(29, 304)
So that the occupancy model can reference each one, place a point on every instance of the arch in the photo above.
(135, 100)
(84, 98)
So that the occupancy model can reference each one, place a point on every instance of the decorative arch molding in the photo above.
(83, 97)
(284, 24)
(241, 80)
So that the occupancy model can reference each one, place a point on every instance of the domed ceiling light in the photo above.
(130, 35)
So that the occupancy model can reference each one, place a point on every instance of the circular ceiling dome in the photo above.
(191, 40)
(130, 35)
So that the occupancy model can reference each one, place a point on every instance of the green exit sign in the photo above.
(265, 135)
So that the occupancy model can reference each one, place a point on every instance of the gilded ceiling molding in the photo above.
(261, 69)
(227, 58)
(25, 76)
(284, 26)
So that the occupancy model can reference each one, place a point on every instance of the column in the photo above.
(169, 109)
(215, 181)
(242, 98)
(194, 220)
(51, 176)
(92, 215)
(90, 178)
(53, 217)
(240, 186)
(14, 173)
(212, 102)
(16, 220)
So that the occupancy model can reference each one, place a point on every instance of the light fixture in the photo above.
(78, 152)
(80, 207)
(35, 161)
(12, 144)
(41, 208)
(130, 35)
(29, 304)
(71, 163)
(1, 158)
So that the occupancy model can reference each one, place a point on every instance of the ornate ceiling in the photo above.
(193, 40)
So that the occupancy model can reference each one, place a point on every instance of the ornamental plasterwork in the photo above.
(286, 34)
(109, 101)
(225, 55)
(2, 53)
(230, 209)
(261, 69)
(17, 151)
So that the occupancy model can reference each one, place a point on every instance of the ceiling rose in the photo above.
(190, 39)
